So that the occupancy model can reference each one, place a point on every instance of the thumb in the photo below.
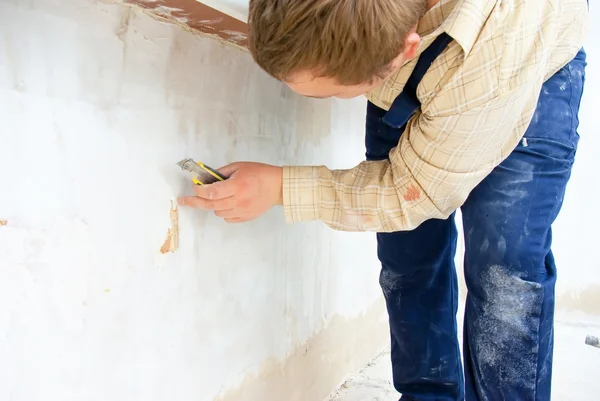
(229, 169)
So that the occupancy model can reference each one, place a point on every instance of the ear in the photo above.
(411, 45)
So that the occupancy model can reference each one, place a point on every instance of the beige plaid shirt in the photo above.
(477, 100)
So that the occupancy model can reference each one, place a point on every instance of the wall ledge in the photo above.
(196, 17)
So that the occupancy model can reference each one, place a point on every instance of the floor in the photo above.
(576, 368)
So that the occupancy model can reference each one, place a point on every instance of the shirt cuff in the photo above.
(301, 193)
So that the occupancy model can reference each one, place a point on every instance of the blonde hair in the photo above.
(352, 41)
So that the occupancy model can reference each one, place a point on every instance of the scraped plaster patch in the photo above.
(171, 243)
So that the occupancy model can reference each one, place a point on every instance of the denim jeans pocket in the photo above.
(553, 130)
(549, 149)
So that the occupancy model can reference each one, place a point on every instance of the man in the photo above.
(472, 104)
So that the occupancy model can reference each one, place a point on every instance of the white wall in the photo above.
(236, 8)
(97, 104)
(576, 230)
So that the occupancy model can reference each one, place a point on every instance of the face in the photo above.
(306, 84)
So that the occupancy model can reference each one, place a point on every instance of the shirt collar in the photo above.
(461, 19)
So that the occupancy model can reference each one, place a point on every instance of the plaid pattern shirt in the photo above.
(477, 100)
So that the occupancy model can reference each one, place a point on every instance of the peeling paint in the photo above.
(164, 10)
(171, 243)
(167, 12)
(236, 36)
(211, 21)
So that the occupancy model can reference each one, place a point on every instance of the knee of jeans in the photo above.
(521, 249)
(508, 311)
(518, 265)
(389, 281)
(506, 292)
(506, 231)
(408, 278)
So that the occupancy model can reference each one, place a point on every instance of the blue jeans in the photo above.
(509, 268)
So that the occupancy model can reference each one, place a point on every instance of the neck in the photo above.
(431, 3)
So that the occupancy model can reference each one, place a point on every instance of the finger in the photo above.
(229, 169)
(227, 214)
(240, 218)
(218, 190)
(225, 204)
(194, 201)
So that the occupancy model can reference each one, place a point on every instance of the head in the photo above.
(333, 48)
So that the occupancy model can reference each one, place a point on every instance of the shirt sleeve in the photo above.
(437, 163)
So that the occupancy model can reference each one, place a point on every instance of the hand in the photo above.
(250, 190)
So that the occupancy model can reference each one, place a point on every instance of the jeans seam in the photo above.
(571, 110)
(538, 335)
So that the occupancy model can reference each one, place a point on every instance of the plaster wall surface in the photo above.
(97, 103)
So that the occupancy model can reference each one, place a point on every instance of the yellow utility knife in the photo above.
(201, 173)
